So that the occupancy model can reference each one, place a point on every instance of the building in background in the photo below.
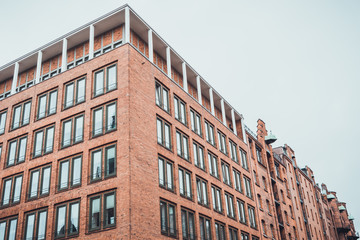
(107, 132)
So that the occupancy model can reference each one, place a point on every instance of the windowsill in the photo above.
(186, 197)
(260, 208)
(67, 189)
(200, 168)
(184, 124)
(88, 232)
(188, 160)
(44, 154)
(10, 205)
(102, 134)
(14, 129)
(168, 112)
(74, 105)
(48, 115)
(15, 164)
(246, 169)
(217, 211)
(167, 189)
(169, 149)
(103, 178)
(200, 135)
(265, 236)
(102, 94)
(205, 206)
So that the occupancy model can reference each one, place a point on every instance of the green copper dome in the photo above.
(330, 196)
(342, 208)
(270, 138)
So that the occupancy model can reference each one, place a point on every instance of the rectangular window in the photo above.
(258, 155)
(222, 142)
(16, 151)
(39, 184)
(43, 141)
(72, 130)
(229, 202)
(209, 132)
(213, 165)
(252, 218)
(35, 225)
(47, 104)
(168, 218)
(8, 228)
(102, 211)
(2, 121)
(195, 122)
(237, 180)
(180, 110)
(233, 151)
(233, 233)
(67, 219)
(166, 176)
(182, 145)
(202, 193)
(220, 231)
(244, 161)
(188, 224)
(241, 211)
(205, 228)
(199, 156)
(244, 236)
(216, 198)
(162, 96)
(105, 80)
(248, 191)
(103, 162)
(21, 115)
(185, 183)
(74, 92)
(163, 133)
(104, 119)
(70, 173)
(226, 173)
(11, 190)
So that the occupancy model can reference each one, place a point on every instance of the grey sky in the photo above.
(294, 64)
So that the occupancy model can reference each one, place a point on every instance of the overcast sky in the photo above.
(294, 64)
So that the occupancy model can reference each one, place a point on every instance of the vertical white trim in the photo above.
(38, 67)
(150, 45)
(233, 121)
(127, 25)
(168, 61)
(223, 111)
(185, 77)
(91, 41)
(243, 128)
(64, 56)
(198, 86)
(15, 78)
(212, 102)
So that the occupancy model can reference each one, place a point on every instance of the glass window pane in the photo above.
(2, 122)
(166, 99)
(34, 184)
(52, 102)
(6, 192)
(163, 217)
(17, 189)
(181, 181)
(158, 94)
(69, 95)
(12, 229)
(188, 185)
(110, 209)
(176, 108)
(169, 175)
(167, 136)
(22, 149)
(45, 185)
(30, 222)
(60, 221)
(79, 129)
(76, 171)
(42, 106)
(38, 143)
(178, 143)
(159, 131)
(99, 83)
(184, 224)
(67, 126)
(110, 160)
(185, 147)
(111, 78)
(111, 117)
(80, 91)
(12, 153)
(96, 164)
(2, 230)
(26, 113)
(161, 172)
(172, 220)
(74, 218)
(98, 122)
(41, 225)
(95, 213)
(49, 139)
(64, 174)
(16, 117)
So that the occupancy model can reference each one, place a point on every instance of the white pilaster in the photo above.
(38, 67)
(223, 111)
(127, 25)
(15, 78)
(243, 128)
(185, 77)
(198, 86)
(212, 102)
(150, 45)
(91, 41)
(64, 56)
(233, 121)
(168, 61)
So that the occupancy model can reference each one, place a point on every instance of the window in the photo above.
(268, 206)
(35, 225)
(222, 142)
(180, 110)
(0, 150)
(233, 233)
(70, 173)
(105, 80)
(11, 190)
(252, 218)
(39, 182)
(272, 229)
(195, 119)
(205, 228)
(229, 202)
(16, 151)
(102, 211)
(255, 178)
(255, 238)
(241, 211)
(260, 202)
(258, 155)
(264, 182)
(104, 119)
(43, 141)
(188, 224)
(21, 115)
(162, 96)
(226, 173)
(74, 92)
(185, 183)
(8, 228)
(244, 236)
(103, 162)
(209, 132)
(287, 217)
(199, 156)
(166, 176)
(237, 180)
(72, 130)
(163, 133)
(202, 194)
(263, 225)
(220, 231)
(244, 161)
(247, 187)
(233, 151)
(277, 170)
(47, 104)
(213, 165)
(67, 219)
(182, 145)
(2, 121)
(291, 212)
(168, 218)
(216, 198)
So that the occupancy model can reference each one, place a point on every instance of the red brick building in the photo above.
(107, 132)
